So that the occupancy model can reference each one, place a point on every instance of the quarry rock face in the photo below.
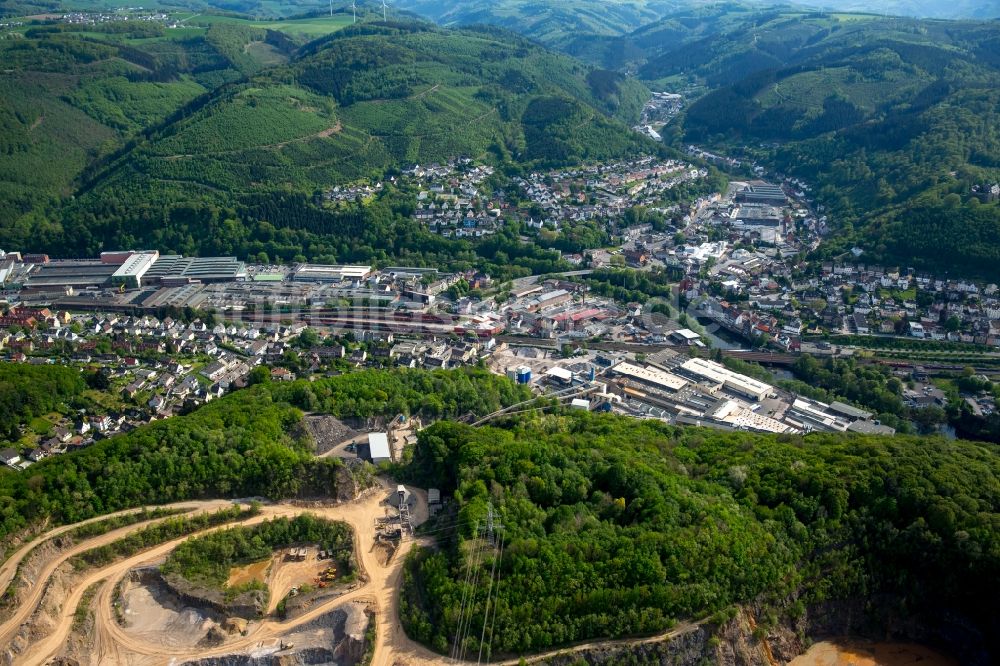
(336, 638)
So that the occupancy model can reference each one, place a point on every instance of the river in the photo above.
(864, 653)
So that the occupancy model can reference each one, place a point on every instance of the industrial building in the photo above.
(378, 447)
(549, 299)
(837, 417)
(813, 415)
(116, 257)
(521, 374)
(757, 215)
(709, 394)
(75, 274)
(739, 417)
(761, 192)
(559, 375)
(173, 270)
(131, 272)
(721, 376)
(653, 377)
(871, 428)
(686, 336)
(408, 271)
(134, 270)
(330, 273)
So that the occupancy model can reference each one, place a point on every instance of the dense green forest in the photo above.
(27, 391)
(235, 447)
(555, 23)
(434, 394)
(207, 560)
(205, 144)
(248, 443)
(70, 97)
(626, 31)
(615, 527)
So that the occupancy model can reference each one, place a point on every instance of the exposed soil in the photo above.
(286, 574)
(43, 615)
(80, 643)
(383, 552)
(853, 653)
(256, 571)
(43, 628)
(153, 613)
(334, 638)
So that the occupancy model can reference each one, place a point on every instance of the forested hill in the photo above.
(894, 121)
(248, 443)
(69, 96)
(554, 23)
(565, 24)
(615, 527)
(350, 105)
(946, 9)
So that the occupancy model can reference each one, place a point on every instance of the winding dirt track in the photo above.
(114, 645)
(9, 569)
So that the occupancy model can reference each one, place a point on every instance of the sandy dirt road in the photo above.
(27, 606)
(9, 566)
(112, 644)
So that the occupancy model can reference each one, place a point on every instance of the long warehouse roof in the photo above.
(651, 376)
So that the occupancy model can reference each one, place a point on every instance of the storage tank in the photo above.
(523, 375)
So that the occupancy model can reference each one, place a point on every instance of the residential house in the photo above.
(282, 375)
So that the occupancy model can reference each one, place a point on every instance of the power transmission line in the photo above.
(461, 610)
(472, 600)
(494, 571)
(489, 649)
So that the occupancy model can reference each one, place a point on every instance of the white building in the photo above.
(378, 447)
(723, 376)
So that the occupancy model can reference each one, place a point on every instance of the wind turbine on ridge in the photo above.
(383, 10)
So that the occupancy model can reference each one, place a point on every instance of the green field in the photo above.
(305, 28)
